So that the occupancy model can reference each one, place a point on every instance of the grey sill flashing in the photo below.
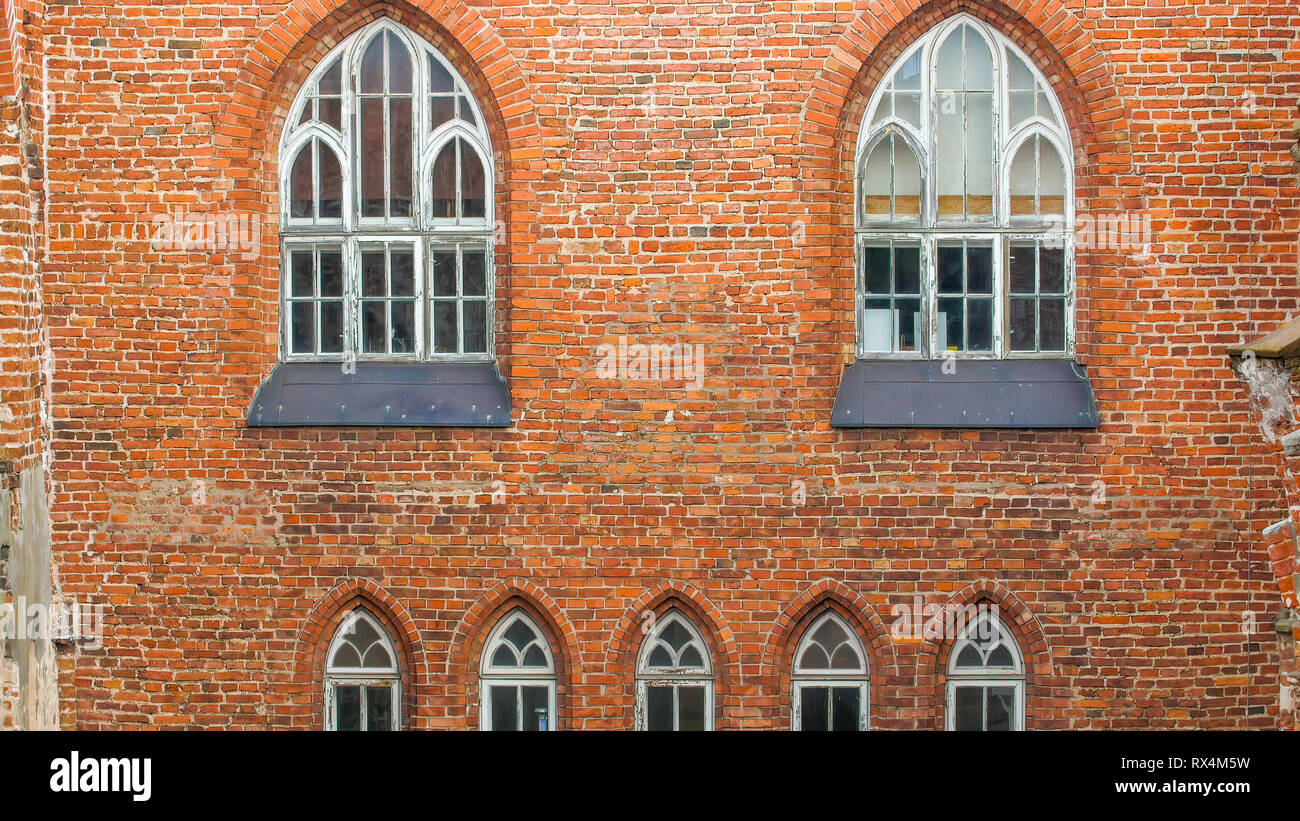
(979, 393)
(393, 394)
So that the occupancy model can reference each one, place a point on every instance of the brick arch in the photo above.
(799, 614)
(318, 631)
(625, 645)
(1041, 703)
(477, 624)
(248, 127)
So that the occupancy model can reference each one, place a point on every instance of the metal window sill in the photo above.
(396, 394)
(979, 393)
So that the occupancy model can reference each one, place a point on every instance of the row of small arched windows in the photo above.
(830, 678)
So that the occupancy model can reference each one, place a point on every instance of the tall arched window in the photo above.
(986, 677)
(386, 207)
(830, 681)
(362, 686)
(674, 687)
(517, 677)
(964, 205)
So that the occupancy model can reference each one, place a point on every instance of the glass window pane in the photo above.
(331, 184)
(950, 269)
(444, 182)
(951, 324)
(399, 66)
(301, 186)
(814, 709)
(347, 708)
(846, 708)
(876, 180)
(504, 657)
(379, 708)
(690, 708)
(1019, 76)
(907, 106)
(403, 273)
(875, 260)
(536, 708)
(908, 76)
(949, 75)
(1052, 318)
(505, 707)
(907, 269)
(372, 157)
(475, 326)
(979, 154)
(950, 126)
(1022, 107)
(331, 112)
(441, 110)
(907, 179)
(979, 269)
(444, 273)
(373, 274)
(440, 81)
(1023, 324)
(659, 708)
(446, 336)
(1051, 273)
(372, 67)
(374, 327)
(331, 82)
(968, 704)
(302, 329)
(1021, 268)
(403, 339)
(331, 327)
(979, 62)
(979, 331)
(474, 275)
(400, 159)
(301, 274)
(909, 323)
(471, 183)
(1051, 179)
(1001, 704)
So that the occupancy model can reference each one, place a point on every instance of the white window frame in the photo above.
(929, 229)
(1013, 676)
(352, 230)
(674, 677)
(801, 678)
(363, 677)
(491, 675)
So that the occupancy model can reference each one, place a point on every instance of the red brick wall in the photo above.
(676, 173)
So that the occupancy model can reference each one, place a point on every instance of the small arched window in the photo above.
(830, 678)
(964, 205)
(362, 686)
(517, 677)
(386, 218)
(986, 677)
(674, 688)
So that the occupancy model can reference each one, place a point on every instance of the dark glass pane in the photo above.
(950, 269)
(675, 635)
(445, 335)
(970, 657)
(950, 323)
(1022, 268)
(475, 326)
(379, 708)
(374, 327)
(814, 658)
(440, 81)
(814, 709)
(1022, 324)
(1001, 657)
(301, 187)
(536, 708)
(474, 275)
(444, 181)
(907, 270)
(504, 657)
(505, 707)
(659, 708)
(968, 702)
(444, 273)
(876, 262)
(303, 328)
(372, 67)
(519, 634)
(372, 158)
(979, 270)
(845, 658)
(403, 273)
(347, 708)
(399, 66)
(331, 111)
(980, 331)
(909, 321)
(690, 708)
(403, 326)
(331, 273)
(400, 157)
(464, 109)
(372, 273)
(1001, 703)
(331, 82)
(331, 327)
(331, 185)
(1051, 272)
(690, 657)
(660, 657)
(300, 265)
(472, 183)
(441, 110)
(845, 708)
(534, 657)
(1051, 313)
